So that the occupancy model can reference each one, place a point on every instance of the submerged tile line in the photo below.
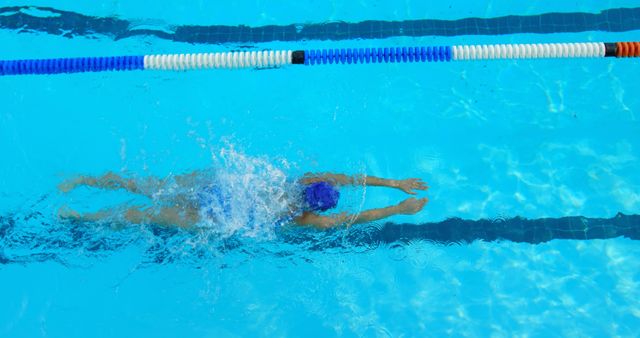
(71, 24)
(17, 241)
(517, 229)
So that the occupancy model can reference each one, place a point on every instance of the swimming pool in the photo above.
(551, 141)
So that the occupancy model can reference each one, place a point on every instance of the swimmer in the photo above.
(317, 194)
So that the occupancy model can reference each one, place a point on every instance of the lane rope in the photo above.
(311, 57)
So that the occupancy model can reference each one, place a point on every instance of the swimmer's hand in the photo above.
(410, 184)
(411, 205)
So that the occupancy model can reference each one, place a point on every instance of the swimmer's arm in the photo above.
(407, 185)
(335, 179)
(342, 179)
(320, 221)
(188, 179)
(407, 207)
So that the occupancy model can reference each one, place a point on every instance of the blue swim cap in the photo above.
(321, 196)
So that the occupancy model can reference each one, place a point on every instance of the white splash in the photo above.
(254, 196)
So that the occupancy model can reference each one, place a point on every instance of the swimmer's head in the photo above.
(321, 196)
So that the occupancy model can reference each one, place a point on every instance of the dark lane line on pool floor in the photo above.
(462, 231)
(68, 24)
(33, 238)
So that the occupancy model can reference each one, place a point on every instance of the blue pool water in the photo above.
(541, 140)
